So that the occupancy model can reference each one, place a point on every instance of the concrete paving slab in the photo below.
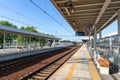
(76, 68)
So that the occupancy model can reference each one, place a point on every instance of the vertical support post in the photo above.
(89, 42)
(54, 43)
(95, 38)
(4, 42)
(48, 42)
(26, 41)
(34, 44)
(100, 35)
(29, 43)
(110, 43)
(39, 42)
(59, 41)
(9, 44)
(119, 40)
(119, 22)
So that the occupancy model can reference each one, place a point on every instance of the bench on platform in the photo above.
(22, 48)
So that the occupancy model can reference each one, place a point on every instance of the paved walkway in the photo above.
(78, 67)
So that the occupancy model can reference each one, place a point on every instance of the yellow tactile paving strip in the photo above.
(77, 69)
(70, 73)
(93, 71)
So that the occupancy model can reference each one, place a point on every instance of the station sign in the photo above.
(57, 40)
(89, 29)
(79, 33)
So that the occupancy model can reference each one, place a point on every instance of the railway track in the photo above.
(17, 64)
(22, 67)
(45, 72)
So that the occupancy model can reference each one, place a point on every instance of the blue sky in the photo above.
(44, 23)
(110, 29)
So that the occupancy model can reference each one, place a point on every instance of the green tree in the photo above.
(29, 28)
(6, 23)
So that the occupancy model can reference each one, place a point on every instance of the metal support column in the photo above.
(119, 39)
(100, 35)
(39, 42)
(89, 42)
(119, 22)
(95, 38)
(53, 43)
(4, 42)
(29, 43)
(26, 42)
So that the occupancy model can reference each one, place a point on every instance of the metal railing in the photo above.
(108, 47)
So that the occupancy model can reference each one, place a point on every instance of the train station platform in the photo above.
(78, 67)
(8, 55)
(14, 50)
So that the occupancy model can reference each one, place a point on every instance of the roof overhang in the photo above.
(87, 15)
(5, 29)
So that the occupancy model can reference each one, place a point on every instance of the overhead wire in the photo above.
(16, 20)
(49, 15)
(58, 13)
(18, 13)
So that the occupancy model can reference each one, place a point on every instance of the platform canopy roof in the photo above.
(24, 32)
(86, 15)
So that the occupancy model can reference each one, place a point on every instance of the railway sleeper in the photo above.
(48, 70)
(30, 79)
(44, 72)
(38, 78)
(2, 68)
(42, 75)
(52, 67)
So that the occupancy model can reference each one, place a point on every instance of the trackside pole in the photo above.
(4, 34)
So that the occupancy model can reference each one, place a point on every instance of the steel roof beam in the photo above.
(107, 2)
(82, 17)
(87, 10)
(60, 1)
(95, 4)
(89, 5)
(110, 19)
(77, 17)
(83, 14)
(93, 9)
(90, 13)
